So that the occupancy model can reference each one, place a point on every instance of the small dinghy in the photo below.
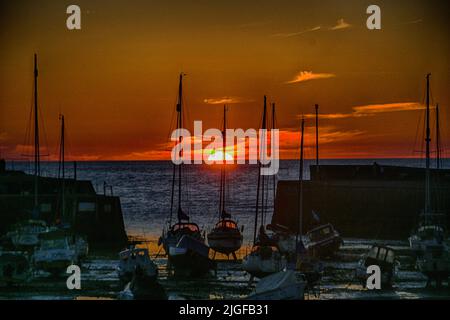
(190, 257)
(283, 285)
(263, 261)
(381, 256)
(434, 262)
(323, 241)
(55, 253)
(141, 287)
(14, 268)
(283, 237)
(133, 258)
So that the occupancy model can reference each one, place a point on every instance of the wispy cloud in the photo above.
(227, 100)
(303, 76)
(341, 24)
(411, 22)
(388, 107)
(294, 34)
(370, 110)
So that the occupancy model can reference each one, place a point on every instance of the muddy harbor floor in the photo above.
(99, 280)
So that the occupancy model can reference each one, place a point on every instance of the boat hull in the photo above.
(188, 263)
(326, 248)
(291, 292)
(260, 268)
(225, 243)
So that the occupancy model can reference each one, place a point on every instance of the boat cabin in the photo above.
(185, 228)
(134, 253)
(320, 233)
(226, 225)
(265, 252)
(382, 256)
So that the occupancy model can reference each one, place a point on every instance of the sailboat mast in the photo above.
(300, 186)
(263, 127)
(438, 139)
(222, 172)
(179, 126)
(274, 182)
(317, 136)
(428, 140)
(63, 151)
(37, 167)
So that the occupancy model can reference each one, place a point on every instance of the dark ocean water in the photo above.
(144, 188)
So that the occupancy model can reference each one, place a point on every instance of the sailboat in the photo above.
(323, 240)
(429, 240)
(265, 257)
(183, 242)
(279, 234)
(25, 235)
(225, 238)
(284, 284)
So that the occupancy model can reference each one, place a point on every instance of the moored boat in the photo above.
(430, 240)
(136, 258)
(323, 241)
(385, 258)
(190, 257)
(225, 237)
(265, 258)
(55, 253)
(173, 233)
(283, 285)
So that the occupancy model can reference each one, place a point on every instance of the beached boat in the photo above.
(173, 233)
(225, 237)
(136, 258)
(190, 257)
(383, 257)
(263, 261)
(25, 235)
(142, 287)
(14, 267)
(265, 258)
(323, 241)
(55, 253)
(283, 237)
(430, 240)
(283, 285)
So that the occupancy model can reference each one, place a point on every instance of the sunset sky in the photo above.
(116, 79)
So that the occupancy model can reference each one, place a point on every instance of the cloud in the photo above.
(227, 100)
(294, 34)
(388, 107)
(341, 24)
(369, 110)
(303, 76)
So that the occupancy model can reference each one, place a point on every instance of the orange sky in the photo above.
(116, 79)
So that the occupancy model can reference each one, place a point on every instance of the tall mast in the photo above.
(179, 126)
(300, 187)
(438, 140)
(271, 141)
(263, 128)
(222, 172)
(428, 140)
(317, 136)
(62, 164)
(37, 166)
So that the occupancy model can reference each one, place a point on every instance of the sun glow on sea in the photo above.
(219, 156)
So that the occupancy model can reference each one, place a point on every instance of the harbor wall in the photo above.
(362, 207)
